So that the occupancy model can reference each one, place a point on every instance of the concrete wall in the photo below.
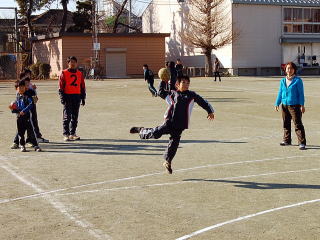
(258, 44)
(49, 51)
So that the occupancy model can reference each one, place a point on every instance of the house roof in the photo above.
(48, 17)
(302, 3)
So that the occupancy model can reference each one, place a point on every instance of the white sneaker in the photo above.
(37, 149)
(74, 137)
(66, 138)
(14, 146)
(23, 149)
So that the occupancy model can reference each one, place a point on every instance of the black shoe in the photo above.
(167, 165)
(285, 144)
(135, 129)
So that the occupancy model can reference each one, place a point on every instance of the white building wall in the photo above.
(258, 44)
(170, 18)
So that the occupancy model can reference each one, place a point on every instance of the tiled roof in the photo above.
(302, 3)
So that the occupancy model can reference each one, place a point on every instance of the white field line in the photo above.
(154, 185)
(184, 182)
(244, 218)
(77, 219)
(150, 175)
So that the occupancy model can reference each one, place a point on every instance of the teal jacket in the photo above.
(292, 95)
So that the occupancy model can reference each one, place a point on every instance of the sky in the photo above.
(71, 7)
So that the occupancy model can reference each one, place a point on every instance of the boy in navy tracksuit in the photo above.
(22, 107)
(176, 118)
(72, 91)
(149, 77)
(30, 92)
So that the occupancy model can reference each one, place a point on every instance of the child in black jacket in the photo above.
(177, 117)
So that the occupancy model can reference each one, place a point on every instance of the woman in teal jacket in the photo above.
(291, 98)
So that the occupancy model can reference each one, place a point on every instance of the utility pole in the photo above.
(130, 13)
(95, 43)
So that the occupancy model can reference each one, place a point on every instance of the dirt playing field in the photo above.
(231, 179)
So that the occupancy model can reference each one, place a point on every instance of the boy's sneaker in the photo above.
(285, 144)
(42, 140)
(135, 129)
(29, 144)
(37, 149)
(66, 138)
(74, 137)
(302, 147)
(167, 165)
(23, 149)
(14, 146)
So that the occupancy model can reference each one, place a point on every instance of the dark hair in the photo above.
(72, 58)
(184, 77)
(26, 79)
(172, 64)
(22, 74)
(167, 64)
(294, 66)
(178, 59)
(145, 65)
(20, 83)
(27, 70)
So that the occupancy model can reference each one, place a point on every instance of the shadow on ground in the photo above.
(258, 185)
(110, 146)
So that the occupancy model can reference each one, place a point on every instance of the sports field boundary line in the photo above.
(244, 218)
(151, 174)
(77, 219)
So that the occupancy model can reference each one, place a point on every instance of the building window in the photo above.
(301, 20)
(316, 28)
(287, 14)
(307, 17)
(287, 28)
(297, 14)
(308, 28)
(297, 28)
(315, 15)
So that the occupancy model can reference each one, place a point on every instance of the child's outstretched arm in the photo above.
(205, 105)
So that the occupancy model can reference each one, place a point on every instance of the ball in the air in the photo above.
(164, 74)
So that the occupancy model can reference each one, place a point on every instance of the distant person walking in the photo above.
(291, 98)
(149, 78)
(173, 75)
(179, 68)
(216, 69)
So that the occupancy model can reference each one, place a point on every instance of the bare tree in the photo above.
(208, 27)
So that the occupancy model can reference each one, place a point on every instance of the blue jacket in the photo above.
(292, 95)
(24, 104)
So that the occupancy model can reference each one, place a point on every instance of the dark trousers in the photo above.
(151, 87)
(34, 118)
(157, 132)
(293, 112)
(24, 123)
(215, 76)
(70, 114)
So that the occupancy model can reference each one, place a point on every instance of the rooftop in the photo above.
(302, 3)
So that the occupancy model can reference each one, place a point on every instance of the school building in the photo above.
(120, 55)
(271, 33)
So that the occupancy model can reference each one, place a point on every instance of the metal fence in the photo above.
(11, 65)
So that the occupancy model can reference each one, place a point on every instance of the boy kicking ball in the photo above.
(176, 118)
